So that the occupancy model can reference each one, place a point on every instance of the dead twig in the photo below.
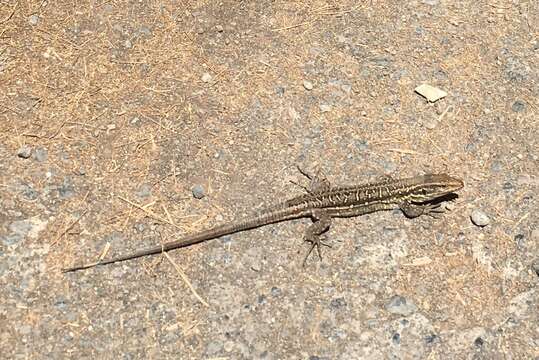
(186, 280)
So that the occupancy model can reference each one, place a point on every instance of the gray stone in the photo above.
(308, 85)
(325, 108)
(144, 31)
(362, 145)
(275, 291)
(206, 77)
(67, 189)
(33, 20)
(518, 106)
(140, 227)
(337, 303)
(198, 192)
(135, 121)
(24, 152)
(214, 347)
(399, 305)
(41, 154)
(479, 218)
(535, 267)
(29, 192)
(144, 191)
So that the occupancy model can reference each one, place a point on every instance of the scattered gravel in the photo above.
(480, 218)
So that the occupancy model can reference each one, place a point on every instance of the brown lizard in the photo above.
(415, 196)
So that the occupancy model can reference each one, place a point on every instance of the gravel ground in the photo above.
(127, 124)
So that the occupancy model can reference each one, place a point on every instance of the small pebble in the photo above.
(275, 291)
(518, 106)
(206, 77)
(135, 120)
(362, 145)
(479, 342)
(140, 227)
(399, 305)
(479, 218)
(219, 28)
(198, 192)
(33, 20)
(520, 239)
(256, 265)
(67, 189)
(496, 166)
(535, 267)
(337, 303)
(144, 191)
(307, 85)
(24, 152)
(325, 108)
(229, 346)
(41, 154)
(431, 339)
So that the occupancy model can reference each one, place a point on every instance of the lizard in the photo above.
(415, 196)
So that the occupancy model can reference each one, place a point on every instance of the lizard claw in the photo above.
(434, 210)
(316, 242)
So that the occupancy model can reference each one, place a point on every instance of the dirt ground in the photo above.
(127, 124)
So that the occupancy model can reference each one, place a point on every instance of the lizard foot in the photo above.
(316, 242)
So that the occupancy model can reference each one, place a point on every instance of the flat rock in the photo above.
(430, 93)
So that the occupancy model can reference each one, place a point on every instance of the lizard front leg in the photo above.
(313, 234)
(318, 180)
(414, 210)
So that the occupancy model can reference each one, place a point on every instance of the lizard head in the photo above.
(433, 186)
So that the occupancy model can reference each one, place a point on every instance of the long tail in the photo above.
(213, 233)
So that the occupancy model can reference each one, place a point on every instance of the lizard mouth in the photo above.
(443, 197)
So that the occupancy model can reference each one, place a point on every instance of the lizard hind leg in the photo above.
(313, 234)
